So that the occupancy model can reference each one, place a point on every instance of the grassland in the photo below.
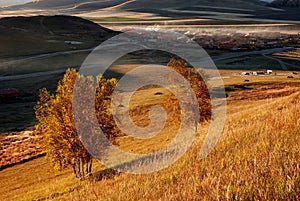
(257, 158)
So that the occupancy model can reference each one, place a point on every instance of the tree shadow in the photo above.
(104, 174)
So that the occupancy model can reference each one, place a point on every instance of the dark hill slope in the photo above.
(159, 4)
(286, 3)
(249, 9)
(218, 9)
(43, 34)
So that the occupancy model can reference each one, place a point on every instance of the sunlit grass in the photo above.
(257, 158)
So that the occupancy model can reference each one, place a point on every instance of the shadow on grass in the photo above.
(104, 174)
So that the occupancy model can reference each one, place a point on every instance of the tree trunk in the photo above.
(88, 167)
(74, 170)
(83, 167)
(77, 169)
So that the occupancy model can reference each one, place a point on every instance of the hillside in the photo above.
(257, 158)
(22, 36)
(218, 9)
(254, 4)
(40, 49)
(69, 4)
(136, 4)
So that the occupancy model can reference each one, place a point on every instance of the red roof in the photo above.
(9, 92)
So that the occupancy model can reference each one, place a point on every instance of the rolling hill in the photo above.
(21, 36)
(218, 9)
(68, 4)
(136, 4)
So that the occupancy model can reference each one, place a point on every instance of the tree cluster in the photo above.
(59, 139)
(56, 127)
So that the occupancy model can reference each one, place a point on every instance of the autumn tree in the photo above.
(56, 124)
(197, 84)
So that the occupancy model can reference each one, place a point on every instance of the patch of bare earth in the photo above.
(18, 147)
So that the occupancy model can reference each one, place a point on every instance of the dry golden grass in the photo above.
(257, 158)
(140, 117)
(35, 180)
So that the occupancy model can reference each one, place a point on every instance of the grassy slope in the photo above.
(256, 8)
(67, 4)
(253, 160)
(257, 158)
(22, 36)
(94, 4)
